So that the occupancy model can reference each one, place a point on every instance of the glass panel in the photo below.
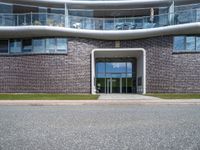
(182, 17)
(197, 43)
(3, 46)
(50, 45)
(100, 75)
(98, 24)
(139, 23)
(42, 15)
(179, 43)
(27, 45)
(116, 74)
(9, 20)
(109, 24)
(129, 75)
(129, 85)
(39, 45)
(100, 67)
(6, 8)
(57, 11)
(123, 85)
(28, 19)
(129, 67)
(21, 20)
(198, 15)
(116, 67)
(115, 85)
(100, 85)
(190, 43)
(87, 23)
(61, 44)
(15, 46)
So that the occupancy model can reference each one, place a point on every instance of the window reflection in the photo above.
(100, 67)
(15, 46)
(116, 67)
(198, 43)
(51, 45)
(38, 45)
(179, 43)
(186, 44)
(190, 43)
(61, 44)
(27, 45)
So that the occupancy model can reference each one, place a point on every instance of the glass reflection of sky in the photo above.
(114, 67)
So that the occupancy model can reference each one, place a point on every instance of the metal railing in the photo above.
(125, 23)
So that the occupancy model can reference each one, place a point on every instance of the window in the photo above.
(6, 8)
(27, 45)
(190, 43)
(115, 67)
(4, 46)
(15, 46)
(198, 44)
(51, 45)
(61, 45)
(186, 44)
(36, 45)
(39, 45)
(179, 43)
(6, 20)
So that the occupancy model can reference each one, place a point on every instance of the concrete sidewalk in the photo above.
(94, 102)
(126, 97)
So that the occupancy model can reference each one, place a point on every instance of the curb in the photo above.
(95, 102)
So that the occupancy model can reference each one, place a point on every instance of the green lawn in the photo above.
(175, 96)
(48, 97)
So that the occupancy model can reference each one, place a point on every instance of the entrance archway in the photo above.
(125, 55)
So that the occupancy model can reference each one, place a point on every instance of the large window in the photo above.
(36, 45)
(27, 45)
(6, 20)
(51, 45)
(186, 44)
(190, 43)
(39, 45)
(61, 45)
(15, 46)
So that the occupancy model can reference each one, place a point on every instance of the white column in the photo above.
(93, 88)
(144, 72)
(66, 16)
(171, 13)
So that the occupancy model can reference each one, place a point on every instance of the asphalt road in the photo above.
(109, 127)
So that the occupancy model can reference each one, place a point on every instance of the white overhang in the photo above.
(50, 31)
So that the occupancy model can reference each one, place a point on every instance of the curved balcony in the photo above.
(113, 27)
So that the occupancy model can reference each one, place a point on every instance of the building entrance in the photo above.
(116, 75)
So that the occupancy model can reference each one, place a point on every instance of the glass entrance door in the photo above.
(116, 75)
(114, 85)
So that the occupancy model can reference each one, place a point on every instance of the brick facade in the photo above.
(71, 73)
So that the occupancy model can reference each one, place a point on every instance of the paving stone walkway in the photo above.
(126, 97)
